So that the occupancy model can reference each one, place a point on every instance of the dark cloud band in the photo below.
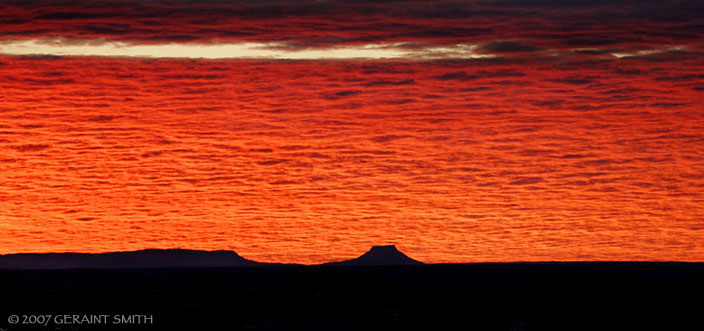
(517, 26)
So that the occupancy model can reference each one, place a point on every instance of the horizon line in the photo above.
(335, 262)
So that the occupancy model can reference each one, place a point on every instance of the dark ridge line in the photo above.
(155, 258)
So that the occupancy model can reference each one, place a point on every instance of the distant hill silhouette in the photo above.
(149, 258)
(380, 255)
(177, 258)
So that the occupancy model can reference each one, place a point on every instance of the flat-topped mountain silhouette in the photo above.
(148, 258)
(380, 255)
(175, 258)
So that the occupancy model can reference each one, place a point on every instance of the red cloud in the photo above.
(280, 159)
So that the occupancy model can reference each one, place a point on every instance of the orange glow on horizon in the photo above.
(315, 161)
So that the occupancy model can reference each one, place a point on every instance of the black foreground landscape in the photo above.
(487, 296)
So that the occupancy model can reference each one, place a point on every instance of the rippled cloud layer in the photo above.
(312, 161)
(575, 133)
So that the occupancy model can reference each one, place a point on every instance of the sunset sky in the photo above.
(308, 131)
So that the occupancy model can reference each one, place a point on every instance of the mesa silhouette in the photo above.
(148, 258)
(378, 256)
(177, 258)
